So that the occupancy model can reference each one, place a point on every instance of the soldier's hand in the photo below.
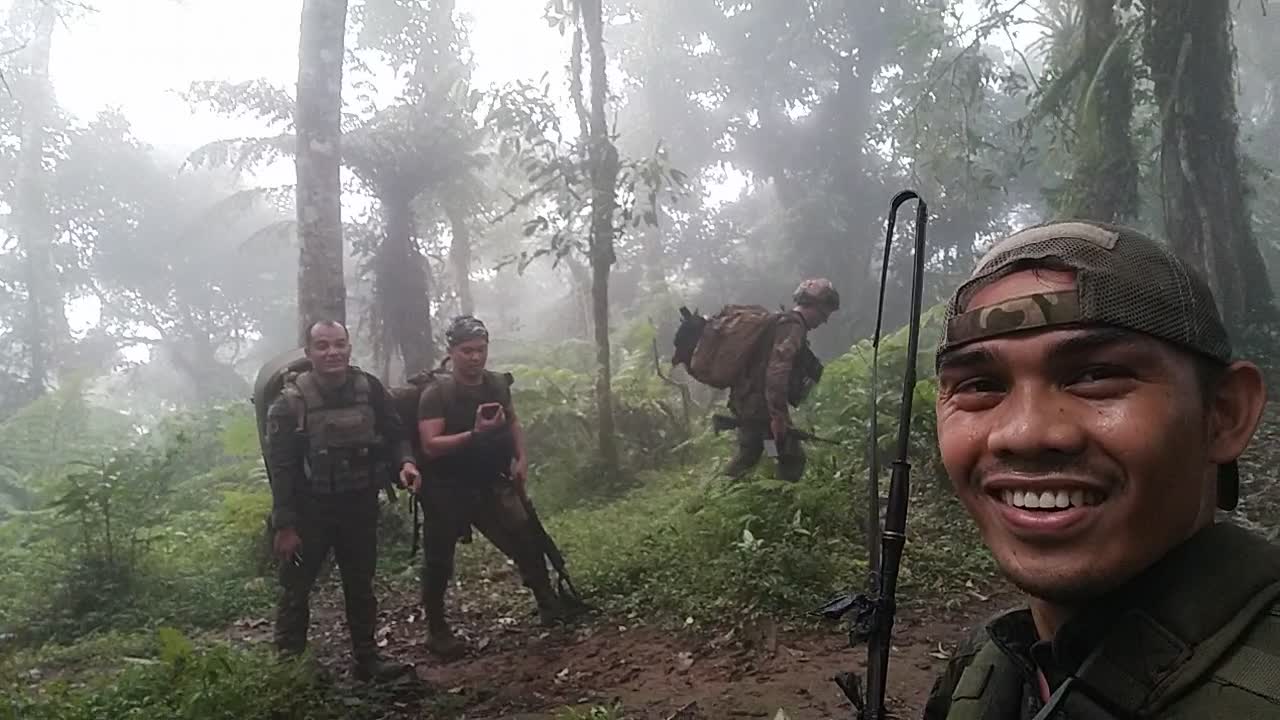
(778, 428)
(286, 544)
(410, 478)
(491, 423)
(520, 472)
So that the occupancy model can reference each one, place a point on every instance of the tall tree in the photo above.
(321, 288)
(603, 158)
(399, 154)
(460, 254)
(429, 166)
(46, 321)
(1104, 185)
(1189, 50)
(580, 188)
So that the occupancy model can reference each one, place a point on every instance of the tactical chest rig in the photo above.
(342, 438)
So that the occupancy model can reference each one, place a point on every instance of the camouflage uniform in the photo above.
(472, 487)
(761, 394)
(326, 472)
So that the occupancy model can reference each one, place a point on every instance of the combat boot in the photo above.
(372, 667)
(550, 610)
(442, 643)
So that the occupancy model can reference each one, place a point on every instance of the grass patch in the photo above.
(167, 676)
(688, 545)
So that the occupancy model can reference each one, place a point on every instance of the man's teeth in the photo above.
(1051, 499)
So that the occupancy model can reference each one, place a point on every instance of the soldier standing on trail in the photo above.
(759, 399)
(475, 476)
(1090, 416)
(332, 437)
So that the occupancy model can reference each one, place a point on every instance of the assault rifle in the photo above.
(564, 586)
(874, 610)
(720, 423)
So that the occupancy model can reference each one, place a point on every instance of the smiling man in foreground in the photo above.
(1090, 414)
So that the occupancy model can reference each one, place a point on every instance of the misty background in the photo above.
(154, 254)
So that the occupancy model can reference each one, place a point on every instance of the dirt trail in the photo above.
(519, 670)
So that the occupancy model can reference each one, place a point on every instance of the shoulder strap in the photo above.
(362, 386)
(448, 390)
(989, 687)
(302, 392)
(1255, 664)
(499, 380)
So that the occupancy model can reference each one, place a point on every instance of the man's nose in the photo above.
(1034, 419)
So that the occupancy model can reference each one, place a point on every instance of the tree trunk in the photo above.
(1104, 185)
(46, 321)
(208, 379)
(437, 66)
(604, 176)
(1189, 50)
(580, 293)
(460, 256)
(402, 287)
(581, 279)
(321, 289)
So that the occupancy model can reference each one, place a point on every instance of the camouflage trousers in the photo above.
(347, 524)
(751, 437)
(497, 511)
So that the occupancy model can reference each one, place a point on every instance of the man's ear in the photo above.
(1235, 411)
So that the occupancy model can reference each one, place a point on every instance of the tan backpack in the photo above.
(716, 350)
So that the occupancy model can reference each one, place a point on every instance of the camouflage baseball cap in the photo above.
(1122, 278)
(464, 328)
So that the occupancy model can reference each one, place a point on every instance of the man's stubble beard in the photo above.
(1066, 591)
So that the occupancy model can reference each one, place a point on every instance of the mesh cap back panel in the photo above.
(1136, 284)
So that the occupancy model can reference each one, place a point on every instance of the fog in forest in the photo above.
(572, 173)
(165, 198)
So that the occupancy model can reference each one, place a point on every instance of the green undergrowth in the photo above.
(165, 675)
(167, 529)
(694, 548)
(690, 546)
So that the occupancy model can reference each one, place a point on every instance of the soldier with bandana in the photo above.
(477, 466)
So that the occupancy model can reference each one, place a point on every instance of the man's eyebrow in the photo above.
(965, 359)
(1084, 341)
(1094, 339)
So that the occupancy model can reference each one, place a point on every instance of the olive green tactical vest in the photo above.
(485, 458)
(1207, 647)
(342, 438)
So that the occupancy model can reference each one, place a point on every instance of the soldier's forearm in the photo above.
(442, 445)
(775, 396)
(403, 453)
(517, 433)
(284, 511)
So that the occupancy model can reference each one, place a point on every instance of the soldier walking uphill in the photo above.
(759, 399)
(332, 436)
(476, 475)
